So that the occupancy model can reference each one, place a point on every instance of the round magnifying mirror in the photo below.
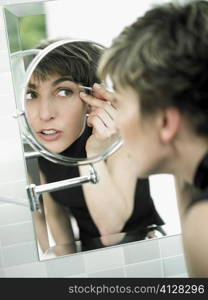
(55, 115)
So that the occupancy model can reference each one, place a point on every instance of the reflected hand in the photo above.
(102, 119)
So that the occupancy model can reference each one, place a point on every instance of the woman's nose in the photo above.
(46, 110)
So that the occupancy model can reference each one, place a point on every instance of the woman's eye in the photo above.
(30, 95)
(65, 92)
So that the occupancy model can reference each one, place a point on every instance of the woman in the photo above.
(158, 66)
(56, 114)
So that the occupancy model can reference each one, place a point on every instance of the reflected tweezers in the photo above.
(87, 88)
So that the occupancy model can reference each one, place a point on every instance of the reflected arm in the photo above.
(41, 229)
(57, 218)
(110, 202)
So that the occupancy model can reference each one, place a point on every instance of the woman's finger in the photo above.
(98, 103)
(100, 91)
(99, 128)
(104, 116)
(93, 101)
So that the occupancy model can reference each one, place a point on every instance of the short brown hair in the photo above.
(163, 56)
(78, 59)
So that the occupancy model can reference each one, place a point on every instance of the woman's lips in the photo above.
(49, 134)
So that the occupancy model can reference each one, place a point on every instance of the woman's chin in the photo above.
(55, 148)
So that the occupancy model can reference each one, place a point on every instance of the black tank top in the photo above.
(200, 182)
(144, 213)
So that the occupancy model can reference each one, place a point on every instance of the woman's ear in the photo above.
(170, 124)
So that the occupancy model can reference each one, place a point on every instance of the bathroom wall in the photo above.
(18, 251)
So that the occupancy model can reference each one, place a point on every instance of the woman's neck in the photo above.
(191, 151)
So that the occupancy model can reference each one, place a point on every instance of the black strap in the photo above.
(200, 193)
(201, 175)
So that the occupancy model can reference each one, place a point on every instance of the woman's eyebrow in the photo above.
(32, 86)
(59, 80)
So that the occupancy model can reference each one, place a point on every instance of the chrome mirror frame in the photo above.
(27, 132)
(34, 191)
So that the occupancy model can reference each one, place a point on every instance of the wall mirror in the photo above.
(84, 217)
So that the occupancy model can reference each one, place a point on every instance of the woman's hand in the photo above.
(102, 119)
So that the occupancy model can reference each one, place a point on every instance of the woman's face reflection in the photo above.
(55, 111)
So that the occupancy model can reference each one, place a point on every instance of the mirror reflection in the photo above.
(119, 208)
(56, 112)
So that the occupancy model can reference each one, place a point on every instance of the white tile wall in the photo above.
(171, 246)
(104, 259)
(10, 132)
(66, 266)
(82, 275)
(1, 258)
(35, 269)
(11, 189)
(4, 60)
(2, 273)
(10, 214)
(140, 251)
(174, 265)
(11, 161)
(19, 254)
(1, 20)
(182, 275)
(18, 249)
(6, 82)
(3, 43)
(7, 99)
(117, 273)
(152, 269)
(16, 233)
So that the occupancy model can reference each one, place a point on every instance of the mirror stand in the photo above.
(34, 191)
